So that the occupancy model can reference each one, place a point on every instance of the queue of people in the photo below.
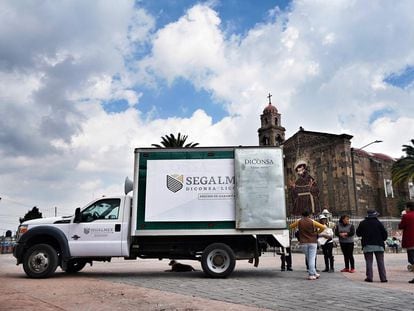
(312, 234)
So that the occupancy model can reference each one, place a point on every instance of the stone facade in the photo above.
(373, 183)
(350, 180)
(329, 161)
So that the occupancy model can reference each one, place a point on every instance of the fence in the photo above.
(6, 245)
(390, 224)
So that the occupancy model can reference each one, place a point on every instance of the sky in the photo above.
(83, 83)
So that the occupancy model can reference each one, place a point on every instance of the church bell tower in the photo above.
(271, 132)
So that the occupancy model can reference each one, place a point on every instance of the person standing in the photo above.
(308, 235)
(373, 235)
(407, 226)
(325, 240)
(286, 259)
(304, 191)
(346, 231)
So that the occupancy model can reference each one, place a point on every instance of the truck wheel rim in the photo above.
(39, 262)
(218, 261)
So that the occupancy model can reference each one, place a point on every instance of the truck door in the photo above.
(99, 233)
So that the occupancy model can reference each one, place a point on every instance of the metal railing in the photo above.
(390, 224)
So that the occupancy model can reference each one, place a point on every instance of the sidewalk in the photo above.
(395, 265)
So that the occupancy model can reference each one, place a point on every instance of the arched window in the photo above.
(279, 140)
(265, 141)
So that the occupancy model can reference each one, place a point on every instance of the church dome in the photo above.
(270, 109)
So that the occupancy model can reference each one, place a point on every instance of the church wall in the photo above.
(329, 162)
(370, 175)
(349, 180)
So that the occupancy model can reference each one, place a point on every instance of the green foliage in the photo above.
(403, 169)
(170, 141)
(34, 213)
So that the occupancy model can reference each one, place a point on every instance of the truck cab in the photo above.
(99, 231)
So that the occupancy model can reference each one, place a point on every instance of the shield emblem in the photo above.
(174, 182)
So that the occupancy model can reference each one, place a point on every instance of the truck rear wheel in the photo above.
(40, 261)
(218, 260)
(74, 266)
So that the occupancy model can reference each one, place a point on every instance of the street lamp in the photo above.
(353, 172)
(372, 142)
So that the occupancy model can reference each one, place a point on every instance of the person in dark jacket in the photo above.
(373, 235)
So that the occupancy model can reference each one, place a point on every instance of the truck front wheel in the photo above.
(218, 260)
(40, 261)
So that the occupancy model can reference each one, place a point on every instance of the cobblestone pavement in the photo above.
(267, 287)
(249, 288)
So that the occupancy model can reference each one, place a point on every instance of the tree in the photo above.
(403, 169)
(170, 141)
(32, 214)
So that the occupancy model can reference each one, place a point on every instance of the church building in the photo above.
(350, 180)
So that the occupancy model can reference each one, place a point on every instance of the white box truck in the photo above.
(214, 205)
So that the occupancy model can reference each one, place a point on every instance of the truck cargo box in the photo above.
(208, 190)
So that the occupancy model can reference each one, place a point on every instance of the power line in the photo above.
(14, 202)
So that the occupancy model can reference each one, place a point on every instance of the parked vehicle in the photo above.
(214, 205)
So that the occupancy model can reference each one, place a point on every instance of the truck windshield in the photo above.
(102, 209)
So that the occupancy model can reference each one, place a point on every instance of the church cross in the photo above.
(269, 96)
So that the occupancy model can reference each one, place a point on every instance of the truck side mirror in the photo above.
(78, 216)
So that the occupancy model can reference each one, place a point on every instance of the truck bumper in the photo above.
(18, 251)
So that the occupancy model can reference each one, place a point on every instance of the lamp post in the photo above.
(373, 142)
(353, 171)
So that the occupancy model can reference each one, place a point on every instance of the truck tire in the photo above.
(40, 261)
(218, 260)
(74, 266)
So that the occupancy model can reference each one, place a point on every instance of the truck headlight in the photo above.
(22, 230)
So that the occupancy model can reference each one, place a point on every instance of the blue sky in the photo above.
(237, 17)
(83, 83)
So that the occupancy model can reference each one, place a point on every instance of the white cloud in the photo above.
(324, 63)
(191, 48)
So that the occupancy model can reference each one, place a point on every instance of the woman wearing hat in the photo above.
(373, 235)
(325, 240)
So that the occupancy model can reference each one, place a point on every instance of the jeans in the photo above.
(309, 249)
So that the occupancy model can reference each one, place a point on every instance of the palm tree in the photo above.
(403, 169)
(170, 141)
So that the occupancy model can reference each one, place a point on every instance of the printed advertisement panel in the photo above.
(260, 193)
(190, 190)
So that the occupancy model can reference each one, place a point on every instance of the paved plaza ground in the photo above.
(144, 285)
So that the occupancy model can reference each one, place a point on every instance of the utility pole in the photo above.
(353, 172)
